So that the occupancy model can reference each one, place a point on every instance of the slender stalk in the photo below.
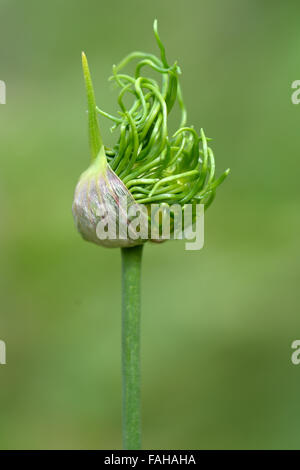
(131, 306)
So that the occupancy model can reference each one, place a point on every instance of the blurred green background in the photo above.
(217, 325)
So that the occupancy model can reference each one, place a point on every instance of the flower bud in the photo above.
(146, 166)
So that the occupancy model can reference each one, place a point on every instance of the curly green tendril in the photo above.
(154, 166)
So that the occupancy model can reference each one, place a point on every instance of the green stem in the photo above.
(131, 294)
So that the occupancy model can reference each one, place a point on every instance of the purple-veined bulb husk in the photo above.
(102, 200)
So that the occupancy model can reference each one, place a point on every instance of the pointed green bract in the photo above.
(94, 130)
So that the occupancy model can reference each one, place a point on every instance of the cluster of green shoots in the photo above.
(154, 166)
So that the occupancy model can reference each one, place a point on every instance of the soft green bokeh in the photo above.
(217, 324)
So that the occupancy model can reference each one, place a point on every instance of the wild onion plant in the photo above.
(146, 165)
